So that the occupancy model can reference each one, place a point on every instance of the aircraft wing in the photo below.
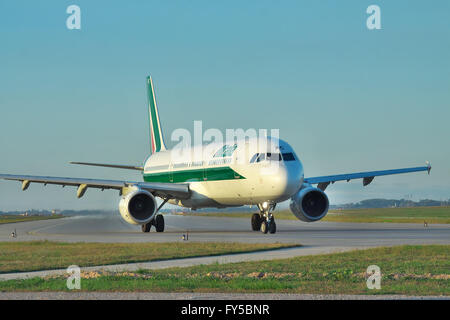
(163, 190)
(324, 181)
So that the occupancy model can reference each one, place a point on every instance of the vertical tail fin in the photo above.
(156, 137)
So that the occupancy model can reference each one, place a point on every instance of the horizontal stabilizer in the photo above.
(117, 166)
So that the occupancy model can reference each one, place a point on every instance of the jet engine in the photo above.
(309, 204)
(138, 207)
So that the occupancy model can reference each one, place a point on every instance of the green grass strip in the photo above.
(19, 218)
(45, 255)
(410, 270)
(432, 215)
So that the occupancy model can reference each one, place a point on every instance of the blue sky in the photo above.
(345, 97)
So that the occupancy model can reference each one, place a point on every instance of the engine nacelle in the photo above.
(138, 207)
(309, 204)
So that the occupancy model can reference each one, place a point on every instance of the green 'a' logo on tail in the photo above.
(156, 137)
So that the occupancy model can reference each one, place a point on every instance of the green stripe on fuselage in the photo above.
(206, 174)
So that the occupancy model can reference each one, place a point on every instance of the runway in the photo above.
(111, 228)
(315, 238)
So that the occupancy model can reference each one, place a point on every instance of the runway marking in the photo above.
(36, 231)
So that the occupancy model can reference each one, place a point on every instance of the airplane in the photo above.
(228, 175)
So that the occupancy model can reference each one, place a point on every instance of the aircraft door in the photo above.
(171, 173)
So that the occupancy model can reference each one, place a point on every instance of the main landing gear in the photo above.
(264, 220)
(158, 223)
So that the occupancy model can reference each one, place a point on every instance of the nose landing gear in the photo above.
(264, 220)
(256, 221)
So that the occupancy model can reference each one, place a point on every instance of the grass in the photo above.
(410, 270)
(44, 255)
(13, 218)
(431, 215)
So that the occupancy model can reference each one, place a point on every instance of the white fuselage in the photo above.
(230, 174)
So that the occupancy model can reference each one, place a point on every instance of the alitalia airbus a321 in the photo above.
(228, 176)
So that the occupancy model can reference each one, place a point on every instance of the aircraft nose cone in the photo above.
(280, 182)
(292, 178)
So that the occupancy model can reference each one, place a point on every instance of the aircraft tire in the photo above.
(256, 222)
(272, 227)
(264, 227)
(159, 223)
(146, 227)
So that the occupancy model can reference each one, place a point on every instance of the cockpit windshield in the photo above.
(289, 156)
(270, 156)
(259, 157)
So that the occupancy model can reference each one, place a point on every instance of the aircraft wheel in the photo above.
(272, 227)
(256, 222)
(146, 227)
(264, 227)
(159, 223)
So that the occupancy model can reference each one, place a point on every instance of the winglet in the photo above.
(428, 166)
